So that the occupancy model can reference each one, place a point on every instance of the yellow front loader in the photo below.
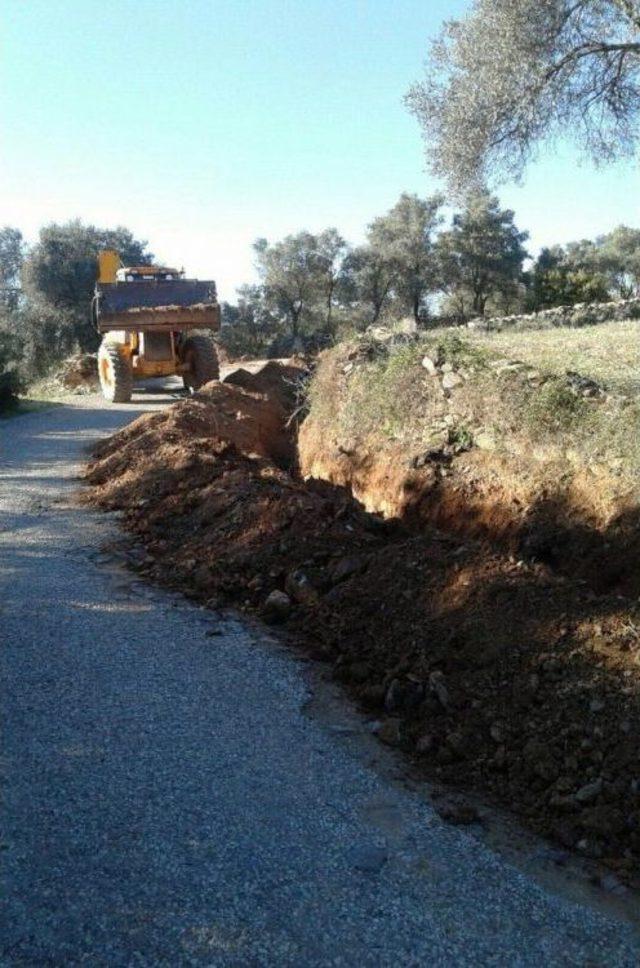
(154, 323)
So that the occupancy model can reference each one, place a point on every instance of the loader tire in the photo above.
(116, 374)
(200, 356)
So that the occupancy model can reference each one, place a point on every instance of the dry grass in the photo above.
(609, 352)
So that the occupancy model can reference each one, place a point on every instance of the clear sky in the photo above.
(202, 124)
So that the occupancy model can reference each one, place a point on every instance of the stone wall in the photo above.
(582, 314)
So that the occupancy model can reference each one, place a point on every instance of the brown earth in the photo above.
(467, 461)
(497, 674)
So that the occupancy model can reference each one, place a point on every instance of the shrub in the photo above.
(11, 380)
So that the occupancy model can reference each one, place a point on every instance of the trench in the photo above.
(500, 674)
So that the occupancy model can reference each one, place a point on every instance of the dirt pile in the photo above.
(79, 373)
(495, 673)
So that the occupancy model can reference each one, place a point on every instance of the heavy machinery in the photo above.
(151, 319)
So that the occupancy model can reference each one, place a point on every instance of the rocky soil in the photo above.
(580, 314)
(494, 672)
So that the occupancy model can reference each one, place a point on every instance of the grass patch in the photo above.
(608, 352)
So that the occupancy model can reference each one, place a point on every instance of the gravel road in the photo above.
(170, 799)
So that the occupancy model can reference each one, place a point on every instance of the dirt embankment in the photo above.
(544, 467)
(498, 673)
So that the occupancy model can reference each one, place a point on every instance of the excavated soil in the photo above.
(497, 674)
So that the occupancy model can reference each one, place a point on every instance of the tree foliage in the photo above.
(369, 277)
(509, 75)
(248, 327)
(60, 270)
(565, 276)
(301, 277)
(403, 240)
(617, 257)
(481, 256)
(11, 260)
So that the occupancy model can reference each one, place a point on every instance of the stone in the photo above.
(457, 744)
(390, 732)
(299, 588)
(345, 567)
(485, 440)
(425, 743)
(451, 380)
(430, 366)
(438, 687)
(277, 606)
(403, 695)
(369, 858)
(613, 885)
(589, 792)
(202, 576)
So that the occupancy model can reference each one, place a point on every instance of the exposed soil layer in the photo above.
(492, 497)
(541, 465)
(497, 674)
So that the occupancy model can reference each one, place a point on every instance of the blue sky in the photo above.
(202, 124)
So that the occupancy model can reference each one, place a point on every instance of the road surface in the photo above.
(171, 800)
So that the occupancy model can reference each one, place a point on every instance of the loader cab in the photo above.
(148, 274)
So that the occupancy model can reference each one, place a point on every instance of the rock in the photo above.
(500, 759)
(613, 885)
(438, 687)
(390, 732)
(596, 706)
(430, 366)
(369, 858)
(298, 587)
(447, 367)
(583, 386)
(457, 811)
(277, 606)
(451, 380)
(539, 758)
(425, 743)
(485, 440)
(202, 576)
(457, 744)
(343, 568)
(403, 695)
(589, 791)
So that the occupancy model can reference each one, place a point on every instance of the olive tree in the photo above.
(61, 267)
(565, 276)
(617, 256)
(509, 75)
(481, 256)
(403, 240)
(301, 279)
(11, 260)
(370, 275)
